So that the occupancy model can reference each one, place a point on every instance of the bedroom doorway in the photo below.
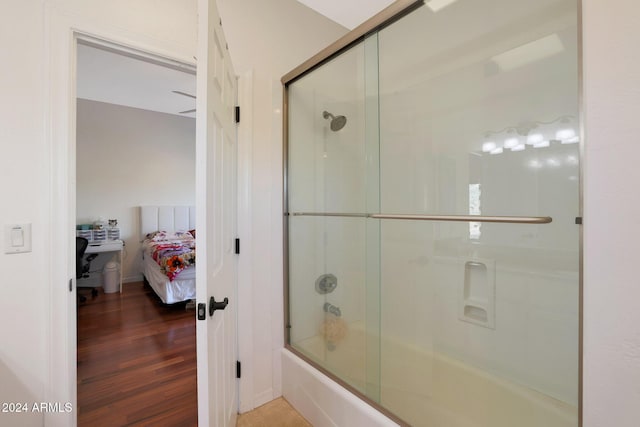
(135, 118)
(216, 375)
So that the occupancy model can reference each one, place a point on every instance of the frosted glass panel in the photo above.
(477, 331)
(327, 164)
(479, 116)
(495, 78)
(329, 327)
(333, 168)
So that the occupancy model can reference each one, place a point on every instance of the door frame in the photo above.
(62, 30)
(245, 270)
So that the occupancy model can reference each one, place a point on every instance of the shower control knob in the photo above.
(326, 284)
(217, 305)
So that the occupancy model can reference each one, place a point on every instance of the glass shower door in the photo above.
(333, 251)
(433, 189)
(479, 116)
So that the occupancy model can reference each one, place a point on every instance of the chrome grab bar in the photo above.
(345, 215)
(470, 218)
(458, 218)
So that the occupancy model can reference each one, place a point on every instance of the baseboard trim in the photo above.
(130, 279)
(262, 398)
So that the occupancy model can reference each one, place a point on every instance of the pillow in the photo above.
(160, 236)
(181, 235)
(157, 236)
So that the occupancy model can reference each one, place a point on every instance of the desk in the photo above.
(113, 246)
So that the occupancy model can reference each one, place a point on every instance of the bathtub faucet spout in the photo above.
(330, 308)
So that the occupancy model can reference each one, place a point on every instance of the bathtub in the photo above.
(322, 401)
(421, 388)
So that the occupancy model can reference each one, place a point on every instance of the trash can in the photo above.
(111, 277)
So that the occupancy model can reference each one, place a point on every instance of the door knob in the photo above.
(219, 305)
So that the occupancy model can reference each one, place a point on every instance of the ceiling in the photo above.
(347, 13)
(121, 79)
(105, 75)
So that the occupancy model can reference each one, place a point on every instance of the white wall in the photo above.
(611, 212)
(27, 287)
(126, 158)
(24, 167)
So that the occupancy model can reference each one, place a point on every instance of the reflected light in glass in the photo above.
(572, 160)
(535, 138)
(498, 150)
(474, 209)
(437, 5)
(535, 164)
(573, 140)
(511, 142)
(542, 144)
(565, 134)
(518, 147)
(530, 52)
(487, 147)
(553, 162)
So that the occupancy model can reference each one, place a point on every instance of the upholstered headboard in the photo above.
(166, 218)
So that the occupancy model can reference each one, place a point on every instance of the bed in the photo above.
(165, 228)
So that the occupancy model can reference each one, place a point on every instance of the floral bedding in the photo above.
(172, 251)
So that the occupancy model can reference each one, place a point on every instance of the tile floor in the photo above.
(277, 413)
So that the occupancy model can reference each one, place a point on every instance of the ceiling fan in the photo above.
(185, 94)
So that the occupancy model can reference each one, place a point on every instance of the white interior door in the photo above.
(216, 160)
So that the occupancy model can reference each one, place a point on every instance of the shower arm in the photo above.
(457, 218)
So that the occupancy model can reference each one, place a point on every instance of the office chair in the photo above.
(81, 247)
(82, 268)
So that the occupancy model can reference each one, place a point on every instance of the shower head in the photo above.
(337, 123)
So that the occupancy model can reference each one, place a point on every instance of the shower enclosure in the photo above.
(432, 214)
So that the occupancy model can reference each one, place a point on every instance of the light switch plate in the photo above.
(17, 238)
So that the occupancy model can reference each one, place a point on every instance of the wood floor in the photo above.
(136, 361)
(137, 365)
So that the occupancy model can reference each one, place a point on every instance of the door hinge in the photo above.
(238, 369)
(237, 246)
(70, 285)
(579, 220)
(237, 114)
